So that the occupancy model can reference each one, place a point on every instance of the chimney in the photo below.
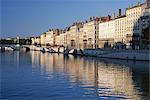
(119, 12)
(108, 17)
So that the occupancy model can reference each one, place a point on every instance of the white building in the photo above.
(106, 32)
(134, 24)
(127, 28)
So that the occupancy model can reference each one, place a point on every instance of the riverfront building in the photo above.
(71, 36)
(80, 35)
(106, 33)
(90, 34)
(134, 26)
(48, 38)
(128, 28)
(36, 40)
(43, 39)
(99, 32)
(120, 29)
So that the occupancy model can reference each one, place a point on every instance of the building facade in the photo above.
(57, 40)
(49, 39)
(106, 33)
(89, 33)
(36, 40)
(134, 26)
(42, 39)
(120, 29)
(127, 28)
(102, 31)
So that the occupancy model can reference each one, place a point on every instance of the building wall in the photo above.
(120, 30)
(133, 15)
(72, 34)
(89, 32)
(43, 38)
(106, 33)
(57, 40)
(126, 28)
(33, 40)
(93, 34)
(37, 40)
(78, 36)
(146, 18)
(134, 26)
(49, 39)
(63, 39)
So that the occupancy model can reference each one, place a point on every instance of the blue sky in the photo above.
(27, 18)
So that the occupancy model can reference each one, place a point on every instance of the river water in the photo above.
(43, 76)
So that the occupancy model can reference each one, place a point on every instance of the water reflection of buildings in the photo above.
(44, 62)
(107, 80)
(118, 80)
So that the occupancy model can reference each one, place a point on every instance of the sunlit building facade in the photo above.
(134, 24)
(36, 40)
(127, 28)
(43, 39)
(49, 40)
(89, 32)
(57, 40)
(120, 29)
(106, 33)
(98, 31)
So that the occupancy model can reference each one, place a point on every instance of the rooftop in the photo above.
(120, 16)
(134, 6)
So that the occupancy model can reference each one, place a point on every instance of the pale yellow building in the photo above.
(82, 35)
(90, 34)
(43, 39)
(36, 40)
(71, 36)
(63, 39)
(120, 29)
(58, 41)
(49, 40)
